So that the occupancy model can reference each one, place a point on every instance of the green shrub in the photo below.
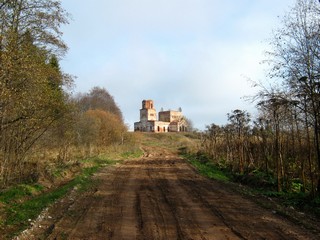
(206, 168)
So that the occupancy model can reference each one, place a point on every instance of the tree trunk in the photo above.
(277, 149)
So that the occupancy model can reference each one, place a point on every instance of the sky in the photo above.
(192, 54)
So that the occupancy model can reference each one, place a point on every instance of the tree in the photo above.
(42, 18)
(29, 101)
(99, 98)
(295, 61)
(107, 128)
(262, 130)
(213, 135)
(240, 120)
(275, 105)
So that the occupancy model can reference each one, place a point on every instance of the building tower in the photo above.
(148, 113)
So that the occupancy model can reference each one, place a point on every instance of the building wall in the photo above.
(170, 116)
(148, 115)
(137, 127)
(147, 104)
(148, 112)
(145, 126)
(162, 126)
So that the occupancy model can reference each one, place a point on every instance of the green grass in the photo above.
(19, 213)
(132, 154)
(19, 192)
(207, 169)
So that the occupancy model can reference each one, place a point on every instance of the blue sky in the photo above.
(193, 54)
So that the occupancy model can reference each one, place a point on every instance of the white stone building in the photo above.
(168, 121)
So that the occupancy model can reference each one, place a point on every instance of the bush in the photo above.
(256, 179)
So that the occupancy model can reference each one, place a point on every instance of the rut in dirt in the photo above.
(160, 196)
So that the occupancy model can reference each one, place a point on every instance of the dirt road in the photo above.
(160, 196)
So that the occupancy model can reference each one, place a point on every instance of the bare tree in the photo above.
(295, 61)
(239, 120)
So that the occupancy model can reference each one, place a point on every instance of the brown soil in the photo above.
(160, 196)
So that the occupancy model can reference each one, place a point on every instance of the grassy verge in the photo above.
(207, 169)
(300, 201)
(21, 204)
